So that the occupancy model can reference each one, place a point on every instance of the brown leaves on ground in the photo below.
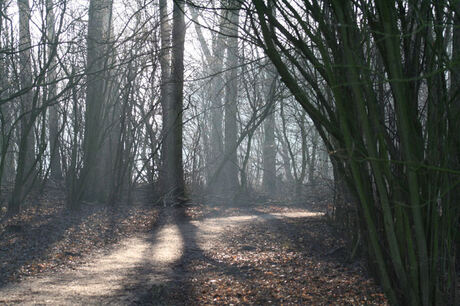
(287, 261)
(49, 237)
(274, 260)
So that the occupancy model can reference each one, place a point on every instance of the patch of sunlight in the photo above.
(106, 275)
(169, 245)
(220, 224)
(102, 277)
(298, 214)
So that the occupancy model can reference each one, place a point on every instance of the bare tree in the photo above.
(54, 144)
(26, 155)
(269, 149)
(231, 98)
(214, 62)
(92, 183)
(172, 158)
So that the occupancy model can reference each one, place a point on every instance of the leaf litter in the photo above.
(287, 261)
(273, 260)
(48, 237)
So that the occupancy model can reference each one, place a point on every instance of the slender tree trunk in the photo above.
(284, 152)
(214, 61)
(7, 161)
(53, 125)
(305, 153)
(115, 165)
(454, 127)
(245, 187)
(313, 156)
(455, 81)
(165, 64)
(26, 155)
(173, 151)
(269, 149)
(231, 99)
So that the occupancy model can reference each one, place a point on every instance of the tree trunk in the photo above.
(174, 185)
(165, 64)
(214, 61)
(269, 149)
(93, 178)
(53, 125)
(454, 127)
(6, 155)
(231, 99)
(313, 156)
(26, 155)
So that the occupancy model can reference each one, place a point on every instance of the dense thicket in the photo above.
(378, 80)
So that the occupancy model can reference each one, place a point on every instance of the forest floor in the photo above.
(194, 255)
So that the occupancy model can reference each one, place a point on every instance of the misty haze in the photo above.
(208, 152)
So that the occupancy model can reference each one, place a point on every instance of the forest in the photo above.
(198, 152)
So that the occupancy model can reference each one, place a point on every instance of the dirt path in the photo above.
(119, 277)
(144, 269)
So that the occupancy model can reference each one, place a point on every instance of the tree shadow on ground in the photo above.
(177, 287)
(309, 235)
(47, 237)
(24, 242)
(257, 259)
(199, 275)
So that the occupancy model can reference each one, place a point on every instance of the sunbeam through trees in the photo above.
(344, 115)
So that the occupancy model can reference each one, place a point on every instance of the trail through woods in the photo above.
(205, 256)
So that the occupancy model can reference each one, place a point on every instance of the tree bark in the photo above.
(165, 64)
(92, 184)
(26, 155)
(454, 127)
(174, 187)
(53, 124)
(231, 99)
(7, 161)
(269, 146)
